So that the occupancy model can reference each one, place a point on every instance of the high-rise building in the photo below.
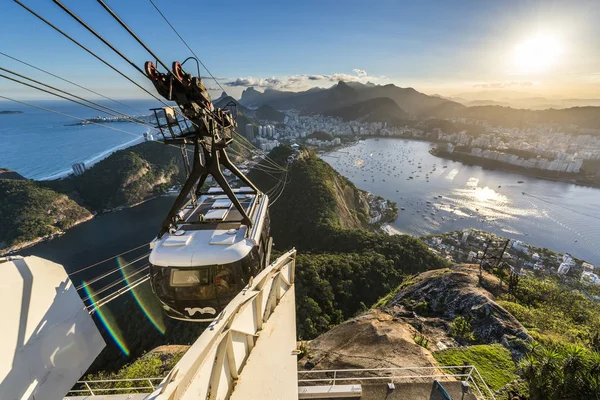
(78, 168)
(249, 131)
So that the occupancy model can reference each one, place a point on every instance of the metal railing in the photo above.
(468, 373)
(114, 386)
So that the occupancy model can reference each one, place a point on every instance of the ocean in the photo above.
(42, 145)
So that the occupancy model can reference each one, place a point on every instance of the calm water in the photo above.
(40, 145)
(559, 216)
(105, 236)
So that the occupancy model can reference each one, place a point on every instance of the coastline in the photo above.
(494, 165)
(25, 245)
(92, 160)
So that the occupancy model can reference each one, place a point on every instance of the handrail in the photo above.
(93, 391)
(467, 374)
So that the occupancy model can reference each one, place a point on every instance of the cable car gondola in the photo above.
(211, 243)
(197, 269)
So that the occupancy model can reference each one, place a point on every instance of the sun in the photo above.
(537, 54)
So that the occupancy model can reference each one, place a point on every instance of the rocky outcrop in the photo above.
(372, 340)
(431, 301)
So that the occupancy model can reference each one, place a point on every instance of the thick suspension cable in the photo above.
(90, 52)
(69, 116)
(108, 110)
(113, 48)
(53, 94)
(185, 43)
(70, 82)
(136, 37)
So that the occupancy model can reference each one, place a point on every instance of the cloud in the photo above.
(501, 85)
(302, 81)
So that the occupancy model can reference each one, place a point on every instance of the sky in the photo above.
(544, 48)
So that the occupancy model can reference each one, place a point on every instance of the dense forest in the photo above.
(29, 211)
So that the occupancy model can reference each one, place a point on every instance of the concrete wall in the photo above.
(48, 339)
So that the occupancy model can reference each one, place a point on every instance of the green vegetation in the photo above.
(341, 269)
(151, 365)
(421, 340)
(563, 362)
(555, 312)
(29, 211)
(562, 372)
(461, 329)
(493, 361)
(320, 135)
(126, 177)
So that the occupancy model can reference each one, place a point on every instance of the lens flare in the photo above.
(107, 320)
(143, 297)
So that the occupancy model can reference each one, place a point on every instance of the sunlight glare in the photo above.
(537, 54)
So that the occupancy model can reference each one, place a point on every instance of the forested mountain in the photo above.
(268, 113)
(125, 178)
(29, 211)
(381, 109)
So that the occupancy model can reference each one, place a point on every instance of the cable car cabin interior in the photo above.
(198, 268)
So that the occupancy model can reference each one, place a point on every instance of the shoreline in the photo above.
(494, 165)
(89, 162)
(22, 246)
(31, 243)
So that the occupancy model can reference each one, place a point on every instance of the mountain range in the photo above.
(343, 94)
(396, 105)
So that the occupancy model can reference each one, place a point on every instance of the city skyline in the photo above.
(543, 49)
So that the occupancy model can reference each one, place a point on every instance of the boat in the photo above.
(520, 181)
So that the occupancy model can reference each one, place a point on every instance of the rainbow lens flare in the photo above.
(143, 296)
(107, 320)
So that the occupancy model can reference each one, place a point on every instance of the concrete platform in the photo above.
(413, 391)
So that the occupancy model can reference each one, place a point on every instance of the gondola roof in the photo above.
(211, 232)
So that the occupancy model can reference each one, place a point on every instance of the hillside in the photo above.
(342, 268)
(30, 212)
(539, 340)
(126, 177)
(584, 117)
(6, 173)
(268, 113)
(381, 109)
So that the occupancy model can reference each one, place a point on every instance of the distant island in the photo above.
(10, 112)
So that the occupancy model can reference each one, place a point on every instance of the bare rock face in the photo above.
(372, 340)
(432, 300)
